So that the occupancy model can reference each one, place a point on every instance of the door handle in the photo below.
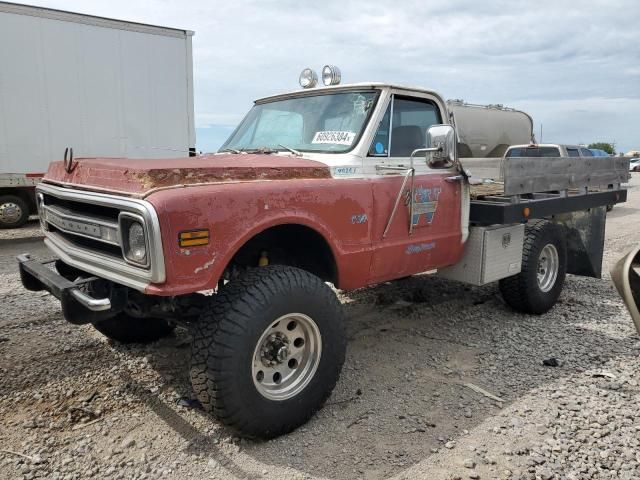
(455, 178)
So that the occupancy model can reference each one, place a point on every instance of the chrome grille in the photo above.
(73, 223)
(84, 230)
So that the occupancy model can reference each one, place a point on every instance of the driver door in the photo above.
(429, 237)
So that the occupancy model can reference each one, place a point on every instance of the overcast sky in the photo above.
(574, 66)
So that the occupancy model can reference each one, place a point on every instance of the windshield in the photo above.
(330, 123)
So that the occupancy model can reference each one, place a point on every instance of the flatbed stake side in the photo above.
(348, 185)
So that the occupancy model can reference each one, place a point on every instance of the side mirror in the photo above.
(441, 146)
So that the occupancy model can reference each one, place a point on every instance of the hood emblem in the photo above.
(69, 164)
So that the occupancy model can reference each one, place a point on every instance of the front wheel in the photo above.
(268, 351)
(544, 265)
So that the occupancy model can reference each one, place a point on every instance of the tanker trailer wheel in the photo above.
(268, 350)
(544, 265)
(14, 211)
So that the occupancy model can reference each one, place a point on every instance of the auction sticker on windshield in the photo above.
(335, 137)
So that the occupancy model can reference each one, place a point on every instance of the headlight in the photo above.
(133, 239)
(331, 75)
(137, 244)
(308, 78)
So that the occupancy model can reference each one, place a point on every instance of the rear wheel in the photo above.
(124, 328)
(544, 265)
(268, 351)
(14, 211)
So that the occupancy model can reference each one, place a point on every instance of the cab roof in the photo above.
(348, 87)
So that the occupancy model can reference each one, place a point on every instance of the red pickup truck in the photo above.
(343, 186)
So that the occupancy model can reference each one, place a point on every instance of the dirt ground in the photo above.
(75, 405)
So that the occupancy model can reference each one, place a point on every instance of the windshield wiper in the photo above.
(232, 150)
(292, 150)
(263, 150)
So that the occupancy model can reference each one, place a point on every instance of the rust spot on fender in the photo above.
(205, 266)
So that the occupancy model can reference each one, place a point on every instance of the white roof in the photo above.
(536, 145)
(350, 86)
(66, 16)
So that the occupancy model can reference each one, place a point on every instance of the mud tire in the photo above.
(226, 336)
(522, 292)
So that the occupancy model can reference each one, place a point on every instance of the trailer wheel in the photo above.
(14, 211)
(126, 329)
(544, 265)
(268, 351)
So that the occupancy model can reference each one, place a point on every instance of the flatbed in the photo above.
(531, 188)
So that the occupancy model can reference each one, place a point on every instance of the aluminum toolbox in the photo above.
(492, 253)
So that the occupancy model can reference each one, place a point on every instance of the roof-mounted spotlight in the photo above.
(308, 78)
(330, 75)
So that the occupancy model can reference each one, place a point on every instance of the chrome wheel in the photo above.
(548, 265)
(10, 212)
(286, 356)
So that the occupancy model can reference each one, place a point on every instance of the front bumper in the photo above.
(77, 306)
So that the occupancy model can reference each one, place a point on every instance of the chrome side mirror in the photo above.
(441, 146)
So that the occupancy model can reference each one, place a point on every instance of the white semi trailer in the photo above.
(103, 87)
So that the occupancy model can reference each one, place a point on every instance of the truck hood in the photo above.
(139, 178)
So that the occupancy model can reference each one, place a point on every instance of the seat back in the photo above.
(405, 139)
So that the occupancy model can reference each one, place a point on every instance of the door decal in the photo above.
(425, 203)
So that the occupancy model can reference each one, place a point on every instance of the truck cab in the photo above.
(366, 134)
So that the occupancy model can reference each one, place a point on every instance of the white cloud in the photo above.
(549, 55)
(586, 120)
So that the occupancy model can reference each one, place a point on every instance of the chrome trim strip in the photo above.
(93, 304)
(80, 219)
(102, 265)
(99, 265)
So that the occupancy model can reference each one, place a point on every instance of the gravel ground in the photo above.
(74, 405)
(30, 230)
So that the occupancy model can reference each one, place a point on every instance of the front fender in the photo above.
(280, 218)
(339, 211)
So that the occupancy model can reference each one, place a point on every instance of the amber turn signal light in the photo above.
(194, 238)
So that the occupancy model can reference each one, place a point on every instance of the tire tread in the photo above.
(518, 290)
(222, 326)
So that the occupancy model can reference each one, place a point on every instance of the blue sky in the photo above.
(574, 66)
